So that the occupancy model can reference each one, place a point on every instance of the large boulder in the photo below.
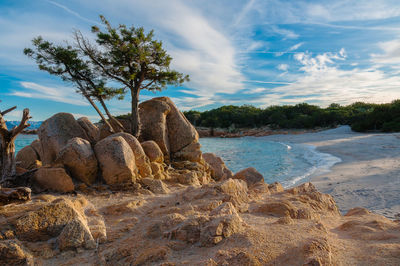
(153, 120)
(91, 130)
(162, 122)
(37, 147)
(54, 179)
(55, 132)
(250, 175)
(153, 151)
(78, 158)
(46, 222)
(27, 158)
(141, 159)
(117, 161)
(219, 171)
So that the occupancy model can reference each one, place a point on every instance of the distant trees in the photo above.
(126, 55)
(361, 116)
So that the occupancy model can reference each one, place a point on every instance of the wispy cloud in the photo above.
(56, 94)
(76, 14)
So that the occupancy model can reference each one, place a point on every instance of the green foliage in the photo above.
(361, 116)
(132, 58)
(71, 66)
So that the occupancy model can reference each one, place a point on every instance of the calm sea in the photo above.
(287, 163)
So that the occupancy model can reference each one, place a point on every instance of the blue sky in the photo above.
(259, 52)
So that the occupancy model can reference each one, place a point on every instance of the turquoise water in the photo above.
(23, 140)
(289, 164)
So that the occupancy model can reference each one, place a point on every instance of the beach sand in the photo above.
(368, 175)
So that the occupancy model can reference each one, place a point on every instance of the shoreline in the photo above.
(367, 176)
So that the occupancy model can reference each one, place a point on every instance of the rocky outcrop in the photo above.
(219, 171)
(222, 223)
(92, 131)
(78, 158)
(53, 179)
(55, 132)
(116, 160)
(250, 175)
(162, 122)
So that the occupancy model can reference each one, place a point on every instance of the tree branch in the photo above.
(8, 110)
(23, 124)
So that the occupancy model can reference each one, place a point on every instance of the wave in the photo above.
(319, 162)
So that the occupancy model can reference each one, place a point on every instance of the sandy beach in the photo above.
(368, 175)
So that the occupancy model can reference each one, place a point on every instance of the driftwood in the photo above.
(7, 146)
(14, 195)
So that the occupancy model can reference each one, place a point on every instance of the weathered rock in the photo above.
(162, 122)
(154, 185)
(219, 171)
(191, 153)
(219, 228)
(74, 235)
(14, 195)
(46, 222)
(141, 159)
(157, 170)
(78, 158)
(153, 119)
(358, 211)
(12, 253)
(55, 132)
(250, 175)
(92, 131)
(27, 157)
(188, 178)
(54, 179)
(37, 146)
(153, 151)
(279, 209)
(117, 161)
(275, 187)
(235, 191)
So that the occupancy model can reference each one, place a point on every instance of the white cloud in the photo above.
(391, 53)
(283, 67)
(254, 90)
(324, 83)
(56, 94)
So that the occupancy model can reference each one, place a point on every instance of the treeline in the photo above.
(360, 116)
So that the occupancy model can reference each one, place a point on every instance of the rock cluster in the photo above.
(71, 151)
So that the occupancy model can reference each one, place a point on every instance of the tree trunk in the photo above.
(116, 125)
(135, 113)
(7, 156)
(7, 147)
(99, 112)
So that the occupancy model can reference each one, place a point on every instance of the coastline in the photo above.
(367, 176)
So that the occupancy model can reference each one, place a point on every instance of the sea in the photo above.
(287, 163)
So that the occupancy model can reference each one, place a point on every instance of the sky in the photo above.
(258, 52)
